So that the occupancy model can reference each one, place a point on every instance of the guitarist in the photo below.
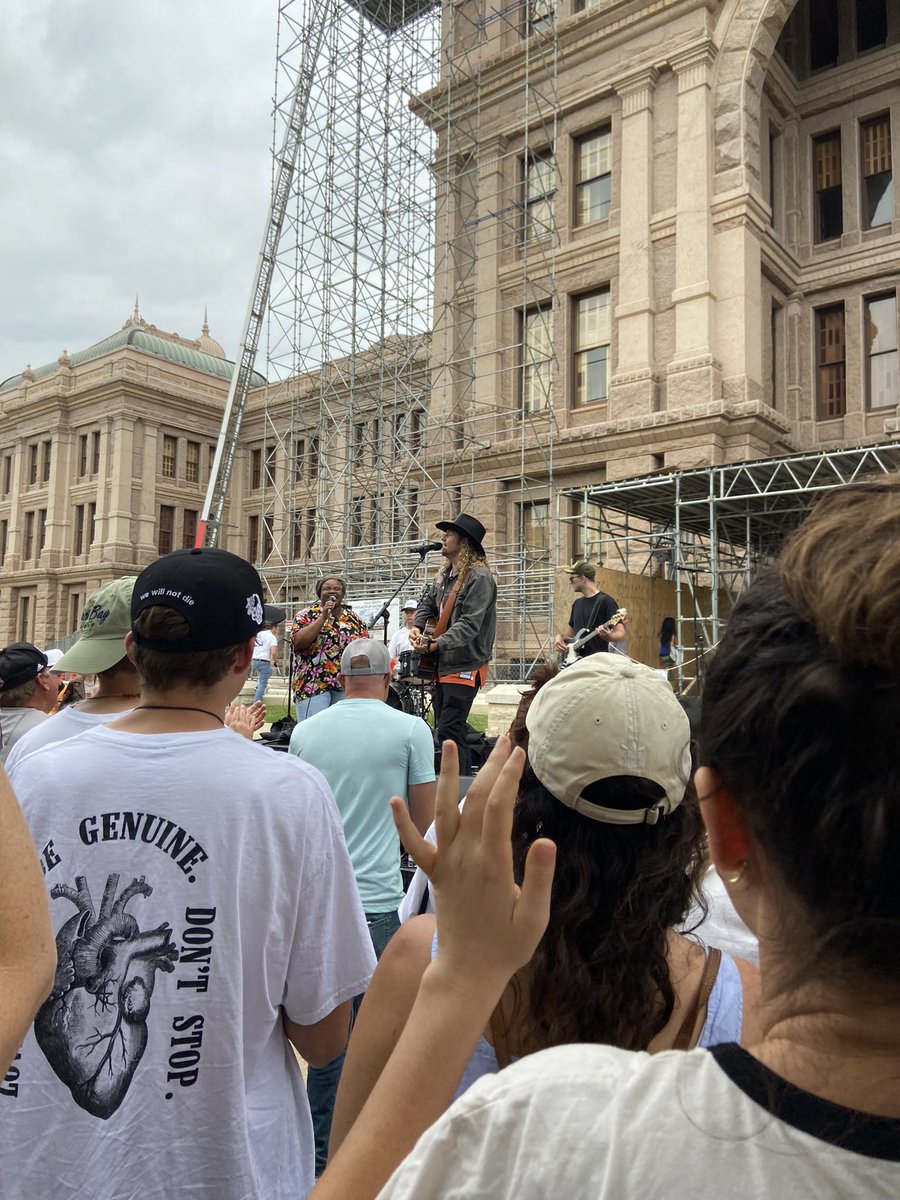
(462, 603)
(591, 609)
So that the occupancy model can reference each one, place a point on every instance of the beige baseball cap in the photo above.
(606, 716)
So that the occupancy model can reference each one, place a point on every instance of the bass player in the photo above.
(591, 610)
(462, 604)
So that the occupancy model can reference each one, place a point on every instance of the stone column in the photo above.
(488, 336)
(117, 472)
(633, 389)
(694, 374)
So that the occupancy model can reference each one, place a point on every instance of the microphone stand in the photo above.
(384, 614)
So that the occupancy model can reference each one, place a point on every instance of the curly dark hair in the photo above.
(601, 972)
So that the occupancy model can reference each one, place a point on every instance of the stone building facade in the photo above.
(104, 462)
(667, 236)
(671, 238)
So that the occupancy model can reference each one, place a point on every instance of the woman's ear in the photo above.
(729, 845)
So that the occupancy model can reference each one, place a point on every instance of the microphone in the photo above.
(427, 547)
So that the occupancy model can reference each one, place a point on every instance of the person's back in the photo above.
(204, 904)
(368, 752)
(28, 692)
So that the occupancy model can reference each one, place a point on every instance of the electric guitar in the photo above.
(583, 636)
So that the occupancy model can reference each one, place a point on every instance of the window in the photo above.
(252, 538)
(357, 521)
(535, 532)
(416, 430)
(776, 187)
(33, 463)
(166, 540)
(4, 539)
(82, 455)
(91, 524)
(538, 188)
(829, 214)
(586, 539)
(537, 360)
(75, 608)
(255, 469)
(593, 178)
(210, 462)
(267, 539)
(538, 16)
(313, 459)
(360, 439)
(878, 180)
(7, 474)
(297, 533)
(25, 618)
(591, 347)
(169, 451)
(824, 42)
(41, 529)
(189, 527)
(310, 531)
(776, 318)
(871, 25)
(270, 465)
(28, 545)
(45, 461)
(95, 452)
(78, 532)
(882, 381)
(831, 373)
(192, 462)
(299, 456)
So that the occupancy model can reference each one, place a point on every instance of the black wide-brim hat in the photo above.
(468, 526)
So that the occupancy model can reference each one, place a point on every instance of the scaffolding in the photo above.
(390, 369)
(711, 529)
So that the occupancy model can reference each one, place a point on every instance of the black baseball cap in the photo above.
(20, 663)
(218, 594)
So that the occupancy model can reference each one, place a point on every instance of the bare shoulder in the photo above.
(408, 952)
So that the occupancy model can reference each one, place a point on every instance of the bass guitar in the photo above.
(583, 636)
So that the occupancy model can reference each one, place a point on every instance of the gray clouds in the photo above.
(135, 157)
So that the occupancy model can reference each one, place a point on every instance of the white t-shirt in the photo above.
(67, 723)
(399, 643)
(199, 886)
(262, 647)
(607, 1124)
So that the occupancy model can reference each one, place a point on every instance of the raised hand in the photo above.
(488, 927)
(246, 719)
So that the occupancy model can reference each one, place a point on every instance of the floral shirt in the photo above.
(317, 667)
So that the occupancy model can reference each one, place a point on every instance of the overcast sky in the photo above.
(134, 158)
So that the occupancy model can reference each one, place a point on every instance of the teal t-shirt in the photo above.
(368, 752)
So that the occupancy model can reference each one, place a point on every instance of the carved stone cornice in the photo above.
(693, 66)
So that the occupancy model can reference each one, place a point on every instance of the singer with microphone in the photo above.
(456, 620)
(319, 636)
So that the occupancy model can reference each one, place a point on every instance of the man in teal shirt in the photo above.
(368, 752)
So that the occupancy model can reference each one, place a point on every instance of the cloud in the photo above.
(135, 153)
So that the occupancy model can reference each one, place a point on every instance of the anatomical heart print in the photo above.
(93, 1027)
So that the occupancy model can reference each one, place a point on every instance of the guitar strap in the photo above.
(446, 609)
(591, 624)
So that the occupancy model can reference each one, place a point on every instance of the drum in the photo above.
(409, 667)
(398, 697)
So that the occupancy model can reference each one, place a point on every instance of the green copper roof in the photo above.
(147, 343)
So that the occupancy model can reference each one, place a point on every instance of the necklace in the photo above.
(180, 708)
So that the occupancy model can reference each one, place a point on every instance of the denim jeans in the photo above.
(261, 671)
(322, 1082)
(316, 704)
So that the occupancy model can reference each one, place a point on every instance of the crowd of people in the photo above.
(649, 952)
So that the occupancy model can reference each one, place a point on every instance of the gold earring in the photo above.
(738, 875)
